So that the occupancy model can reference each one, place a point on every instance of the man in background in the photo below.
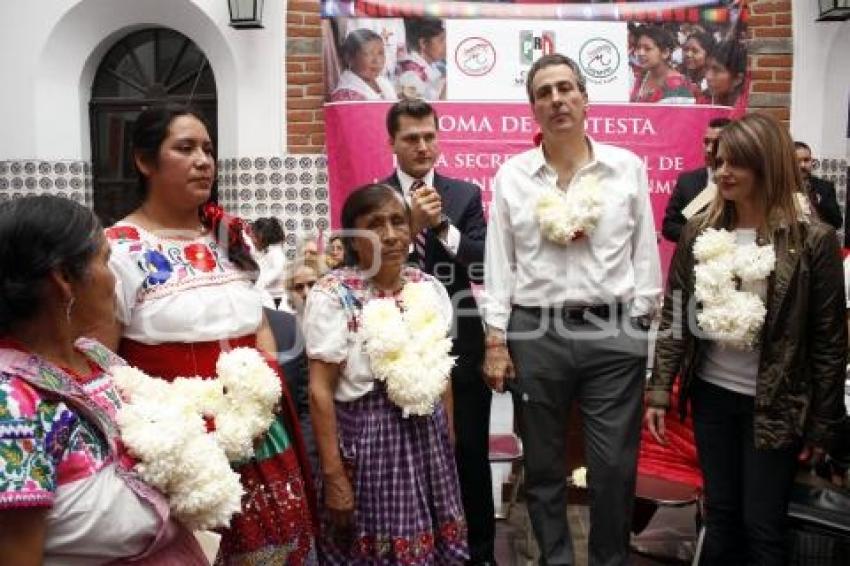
(821, 192)
(694, 189)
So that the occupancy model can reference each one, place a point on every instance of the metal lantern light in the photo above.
(246, 14)
(834, 10)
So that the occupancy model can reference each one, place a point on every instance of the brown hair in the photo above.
(760, 143)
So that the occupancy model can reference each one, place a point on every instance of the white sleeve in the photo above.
(645, 259)
(325, 327)
(499, 263)
(444, 302)
(128, 281)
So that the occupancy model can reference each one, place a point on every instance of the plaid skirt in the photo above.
(407, 498)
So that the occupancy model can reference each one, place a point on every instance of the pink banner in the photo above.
(475, 138)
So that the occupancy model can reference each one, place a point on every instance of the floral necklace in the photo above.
(567, 217)
(186, 432)
(408, 347)
(730, 316)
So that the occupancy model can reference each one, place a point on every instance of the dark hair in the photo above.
(732, 55)
(39, 234)
(550, 61)
(802, 145)
(364, 200)
(421, 28)
(354, 42)
(705, 40)
(659, 36)
(268, 230)
(412, 107)
(151, 129)
(719, 122)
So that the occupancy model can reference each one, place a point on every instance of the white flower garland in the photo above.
(566, 217)
(731, 317)
(163, 425)
(409, 349)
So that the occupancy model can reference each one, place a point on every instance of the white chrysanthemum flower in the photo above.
(714, 243)
(713, 280)
(162, 424)
(414, 363)
(753, 262)
(564, 217)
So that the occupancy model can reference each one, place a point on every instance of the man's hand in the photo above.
(498, 366)
(425, 208)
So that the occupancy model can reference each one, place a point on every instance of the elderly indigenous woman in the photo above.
(363, 78)
(68, 494)
(375, 336)
(754, 319)
(185, 291)
(658, 81)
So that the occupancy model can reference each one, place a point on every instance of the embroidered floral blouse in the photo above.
(180, 290)
(45, 444)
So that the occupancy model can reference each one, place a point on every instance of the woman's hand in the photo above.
(339, 500)
(655, 423)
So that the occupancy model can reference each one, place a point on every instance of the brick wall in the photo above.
(770, 45)
(771, 55)
(305, 126)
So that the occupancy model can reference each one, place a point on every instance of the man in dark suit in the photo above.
(690, 184)
(448, 233)
(821, 193)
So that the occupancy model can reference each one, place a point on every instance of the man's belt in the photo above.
(577, 313)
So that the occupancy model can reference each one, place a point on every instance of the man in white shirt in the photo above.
(572, 278)
(448, 230)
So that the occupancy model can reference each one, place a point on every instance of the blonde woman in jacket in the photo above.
(753, 322)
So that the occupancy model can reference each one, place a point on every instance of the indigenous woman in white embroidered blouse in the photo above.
(376, 336)
(754, 319)
(68, 493)
(185, 291)
(363, 78)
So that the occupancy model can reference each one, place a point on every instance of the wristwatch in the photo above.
(442, 224)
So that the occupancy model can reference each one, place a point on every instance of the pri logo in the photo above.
(532, 47)
(599, 58)
(475, 56)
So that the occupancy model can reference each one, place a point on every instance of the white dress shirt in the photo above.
(451, 238)
(617, 262)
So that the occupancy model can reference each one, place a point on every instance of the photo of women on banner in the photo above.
(386, 58)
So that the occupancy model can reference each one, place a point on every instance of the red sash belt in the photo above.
(179, 359)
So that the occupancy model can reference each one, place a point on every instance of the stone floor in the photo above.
(514, 541)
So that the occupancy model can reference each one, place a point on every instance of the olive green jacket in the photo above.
(800, 382)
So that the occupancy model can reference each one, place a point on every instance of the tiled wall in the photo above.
(834, 169)
(71, 179)
(292, 188)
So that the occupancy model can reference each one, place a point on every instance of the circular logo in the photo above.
(475, 56)
(599, 58)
